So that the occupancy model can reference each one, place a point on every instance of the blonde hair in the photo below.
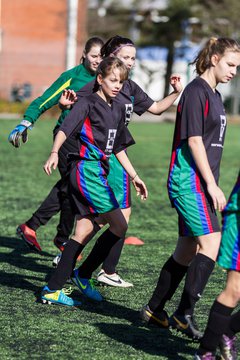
(214, 46)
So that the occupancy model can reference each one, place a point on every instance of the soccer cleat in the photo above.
(56, 260)
(153, 318)
(86, 286)
(112, 280)
(228, 348)
(29, 236)
(58, 297)
(186, 325)
(206, 356)
(59, 244)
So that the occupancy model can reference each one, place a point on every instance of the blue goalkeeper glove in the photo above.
(20, 133)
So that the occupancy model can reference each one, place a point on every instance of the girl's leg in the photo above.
(84, 227)
(220, 318)
(199, 272)
(172, 273)
(169, 279)
(110, 263)
(197, 276)
(116, 230)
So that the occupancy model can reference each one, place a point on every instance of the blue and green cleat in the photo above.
(58, 297)
(86, 286)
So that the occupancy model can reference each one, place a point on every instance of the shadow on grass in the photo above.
(153, 341)
(22, 258)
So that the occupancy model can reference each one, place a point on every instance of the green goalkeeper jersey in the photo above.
(73, 79)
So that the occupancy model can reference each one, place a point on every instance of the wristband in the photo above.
(26, 123)
(54, 152)
(134, 176)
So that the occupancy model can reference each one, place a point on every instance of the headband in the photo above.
(121, 46)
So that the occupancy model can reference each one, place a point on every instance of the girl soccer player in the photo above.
(222, 325)
(193, 186)
(57, 200)
(134, 100)
(98, 130)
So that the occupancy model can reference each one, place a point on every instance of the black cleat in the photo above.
(186, 325)
(153, 318)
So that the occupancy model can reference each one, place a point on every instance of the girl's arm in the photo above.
(158, 107)
(53, 158)
(198, 152)
(139, 185)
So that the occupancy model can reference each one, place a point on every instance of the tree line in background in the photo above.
(181, 22)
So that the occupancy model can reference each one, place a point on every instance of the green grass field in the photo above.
(109, 330)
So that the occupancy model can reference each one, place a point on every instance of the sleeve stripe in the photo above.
(64, 86)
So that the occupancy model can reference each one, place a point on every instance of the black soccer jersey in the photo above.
(98, 128)
(200, 113)
(131, 96)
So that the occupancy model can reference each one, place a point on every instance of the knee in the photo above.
(123, 229)
(236, 294)
(120, 229)
(209, 245)
(184, 257)
(82, 234)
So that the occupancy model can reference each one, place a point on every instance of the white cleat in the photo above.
(112, 280)
(56, 260)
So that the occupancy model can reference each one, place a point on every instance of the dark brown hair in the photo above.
(114, 44)
(94, 41)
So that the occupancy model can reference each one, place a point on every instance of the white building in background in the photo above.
(149, 73)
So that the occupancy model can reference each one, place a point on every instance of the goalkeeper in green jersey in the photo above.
(57, 200)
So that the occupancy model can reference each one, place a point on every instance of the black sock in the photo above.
(66, 265)
(170, 277)
(218, 322)
(234, 325)
(110, 263)
(197, 277)
(98, 254)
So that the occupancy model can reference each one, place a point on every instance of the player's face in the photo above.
(128, 56)
(226, 67)
(111, 84)
(93, 59)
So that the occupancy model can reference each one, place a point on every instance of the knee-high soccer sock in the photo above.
(110, 263)
(218, 322)
(170, 277)
(66, 265)
(234, 325)
(99, 253)
(197, 277)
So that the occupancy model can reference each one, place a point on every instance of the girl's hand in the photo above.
(67, 99)
(52, 161)
(218, 197)
(175, 82)
(140, 187)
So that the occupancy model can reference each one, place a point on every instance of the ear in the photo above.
(99, 79)
(215, 59)
(84, 54)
